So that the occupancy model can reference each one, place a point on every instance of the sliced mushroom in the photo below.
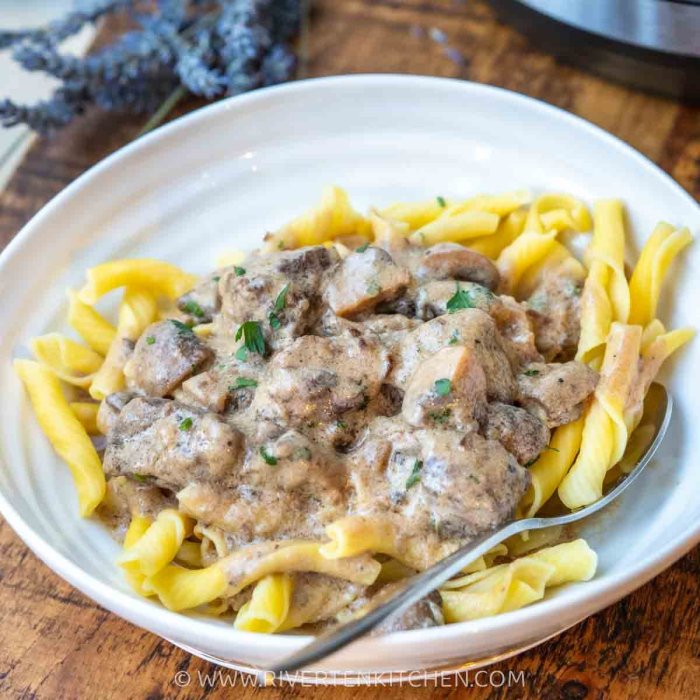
(557, 392)
(363, 280)
(166, 354)
(521, 433)
(454, 261)
(447, 390)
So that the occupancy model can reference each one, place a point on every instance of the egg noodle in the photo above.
(184, 564)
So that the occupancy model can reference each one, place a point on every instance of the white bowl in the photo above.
(217, 180)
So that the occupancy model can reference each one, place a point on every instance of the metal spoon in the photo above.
(656, 418)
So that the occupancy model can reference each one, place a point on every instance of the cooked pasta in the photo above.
(268, 606)
(506, 587)
(64, 431)
(70, 361)
(159, 277)
(658, 253)
(137, 310)
(95, 330)
(290, 436)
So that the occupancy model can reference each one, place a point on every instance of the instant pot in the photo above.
(648, 44)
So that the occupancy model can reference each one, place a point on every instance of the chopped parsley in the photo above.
(454, 338)
(443, 387)
(441, 201)
(269, 459)
(215, 278)
(280, 304)
(362, 248)
(240, 271)
(440, 416)
(150, 340)
(141, 478)
(243, 383)
(253, 338)
(341, 424)
(302, 453)
(242, 353)
(461, 300)
(373, 288)
(185, 424)
(281, 300)
(193, 308)
(531, 372)
(414, 476)
(275, 323)
(182, 328)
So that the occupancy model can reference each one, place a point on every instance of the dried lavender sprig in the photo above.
(59, 30)
(207, 46)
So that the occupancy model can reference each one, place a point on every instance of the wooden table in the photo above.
(55, 643)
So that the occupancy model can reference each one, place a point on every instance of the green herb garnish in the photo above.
(243, 383)
(443, 387)
(185, 424)
(414, 476)
(461, 300)
(242, 353)
(341, 424)
(192, 307)
(150, 340)
(182, 328)
(240, 271)
(281, 300)
(253, 338)
(302, 453)
(373, 288)
(269, 459)
(531, 372)
(440, 416)
(275, 323)
(441, 201)
(454, 338)
(362, 248)
(216, 278)
(141, 478)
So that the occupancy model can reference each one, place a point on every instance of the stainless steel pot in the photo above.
(650, 44)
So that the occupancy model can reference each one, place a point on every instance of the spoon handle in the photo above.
(414, 588)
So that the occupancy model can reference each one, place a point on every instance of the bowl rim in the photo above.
(148, 614)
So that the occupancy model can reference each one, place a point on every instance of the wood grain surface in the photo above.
(55, 643)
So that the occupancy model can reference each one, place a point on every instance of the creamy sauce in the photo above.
(394, 383)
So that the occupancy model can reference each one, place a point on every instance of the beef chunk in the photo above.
(166, 354)
(521, 433)
(317, 378)
(451, 261)
(446, 390)
(364, 280)
(425, 613)
(556, 392)
(172, 444)
(110, 408)
(470, 328)
(555, 311)
(286, 284)
(288, 487)
(203, 301)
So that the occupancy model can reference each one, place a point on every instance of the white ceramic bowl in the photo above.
(217, 180)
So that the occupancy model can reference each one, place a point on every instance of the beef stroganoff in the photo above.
(280, 440)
